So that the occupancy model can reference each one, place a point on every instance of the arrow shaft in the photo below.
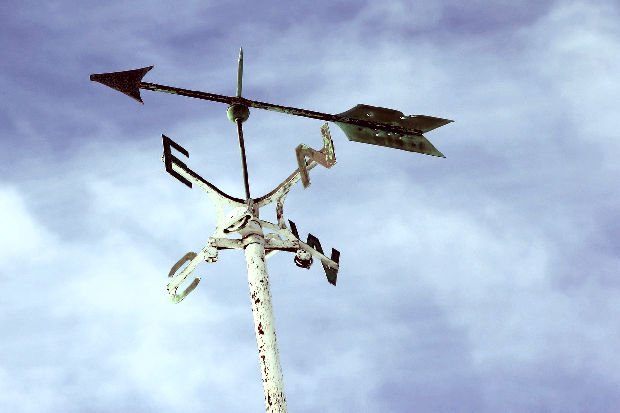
(189, 93)
(331, 118)
(197, 94)
(277, 108)
(292, 111)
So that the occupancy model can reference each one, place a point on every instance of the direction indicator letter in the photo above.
(314, 243)
(169, 159)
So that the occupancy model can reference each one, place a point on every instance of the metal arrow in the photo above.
(362, 123)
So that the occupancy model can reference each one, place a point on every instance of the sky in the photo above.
(487, 281)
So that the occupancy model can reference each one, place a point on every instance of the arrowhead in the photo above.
(127, 82)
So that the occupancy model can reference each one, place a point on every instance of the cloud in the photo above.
(465, 283)
(23, 237)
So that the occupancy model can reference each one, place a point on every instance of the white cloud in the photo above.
(396, 15)
(24, 239)
(449, 276)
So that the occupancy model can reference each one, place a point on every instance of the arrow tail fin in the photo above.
(424, 123)
(410, 137)
(410, 143)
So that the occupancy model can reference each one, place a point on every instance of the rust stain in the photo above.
(260, 329)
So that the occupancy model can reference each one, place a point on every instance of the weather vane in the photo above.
(257, 237)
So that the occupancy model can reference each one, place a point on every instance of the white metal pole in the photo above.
(264, 326)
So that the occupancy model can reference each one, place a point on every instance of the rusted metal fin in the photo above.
(415, 124)
(408, 137)
(127, 82)
(425, 123)
(411, 143)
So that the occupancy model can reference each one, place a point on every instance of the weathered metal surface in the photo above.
(343, 118)
(313, 246)
(240, 73)
(226, 243)
(237, 112)
(244, 162)
(287, 241)
(325, 157)
(363, 123)
(169, 158)
(412, 123)
(196, 94)
(276, 243)
(208, 254)
(303, 259)
(254, 244)
(412, 141)
(127, 82)
(283, 188)
(264, 325)
(237, 219)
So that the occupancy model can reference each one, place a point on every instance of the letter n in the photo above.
(330, 273)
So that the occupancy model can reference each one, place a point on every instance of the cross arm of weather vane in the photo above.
(280, 239)
(325, 157)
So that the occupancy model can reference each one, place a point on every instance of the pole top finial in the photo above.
(240, 73)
